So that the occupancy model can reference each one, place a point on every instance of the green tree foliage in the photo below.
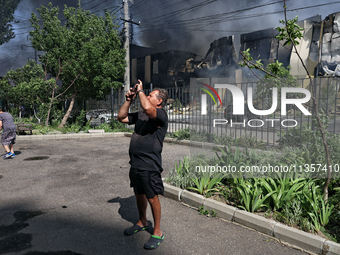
(7, 8)
(275, 74)
(290, 32)
(83, 51)
(24, 86)
(263, 89)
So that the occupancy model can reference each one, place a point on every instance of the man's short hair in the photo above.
(163, 94)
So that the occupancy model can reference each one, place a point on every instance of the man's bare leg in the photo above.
(142, 204)
(156, 212)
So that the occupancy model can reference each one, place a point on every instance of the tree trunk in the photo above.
(63, 122)
(35, 114)
(317, 116)
(49, 109)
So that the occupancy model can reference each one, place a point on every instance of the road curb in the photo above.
(292, 236)
(223, 211)
(192, 199)
(331, 248)
(72, 136)
(299, 238)
(254, 221)
(172, 192)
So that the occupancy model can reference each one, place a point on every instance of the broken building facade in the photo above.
(319, 49)
(165, 69)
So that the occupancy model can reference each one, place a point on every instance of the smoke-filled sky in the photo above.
(172, 24)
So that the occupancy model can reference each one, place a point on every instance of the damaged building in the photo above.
(319, 49)
(221, 59)
(330, 50)
(174, 68)
(323, 58)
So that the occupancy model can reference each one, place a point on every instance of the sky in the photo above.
(189, 25)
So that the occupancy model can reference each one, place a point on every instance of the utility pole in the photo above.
(131, 30)
(127, 46)
(127, 22)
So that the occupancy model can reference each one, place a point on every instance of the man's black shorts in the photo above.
(146, 182)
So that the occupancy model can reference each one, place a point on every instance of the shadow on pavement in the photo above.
(10, 238)
(52, 232)
(128, 210)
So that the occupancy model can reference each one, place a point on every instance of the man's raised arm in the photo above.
(124, 110)
(148, 103)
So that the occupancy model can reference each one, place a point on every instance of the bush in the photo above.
(182, 134)
(117, 126)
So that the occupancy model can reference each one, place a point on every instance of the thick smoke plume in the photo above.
(189, 32)
(170, 24)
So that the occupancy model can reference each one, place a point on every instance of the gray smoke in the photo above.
(196, 35)
(16, 52)
(162, 22)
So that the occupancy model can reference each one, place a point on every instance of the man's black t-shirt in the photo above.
(147, 141)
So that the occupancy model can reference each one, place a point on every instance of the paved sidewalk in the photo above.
(78, 201)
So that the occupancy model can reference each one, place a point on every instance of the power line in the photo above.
(201, 22)
(212, 19)
(87, 2)
(203, 19)
(182, 8)
(15, 59)
(92, 7)
(140, 3)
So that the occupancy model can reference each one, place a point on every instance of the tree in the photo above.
(84, 52)
(290, 33)
(276, 75)
(7, 8)
(24, 86)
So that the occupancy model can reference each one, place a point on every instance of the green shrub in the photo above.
(202, 136)
(117, 126)
(182, 175)
(252, 195)
(311, 141)
(285, 189)
(206, 183)
(317, 208)
(177, 104)
(182, 134)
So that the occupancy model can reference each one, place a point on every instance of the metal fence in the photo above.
(185, 111)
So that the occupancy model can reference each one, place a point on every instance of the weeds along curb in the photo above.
(292, 236)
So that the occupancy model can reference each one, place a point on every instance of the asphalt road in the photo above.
(78, 201)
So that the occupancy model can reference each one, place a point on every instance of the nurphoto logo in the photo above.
(238, 104)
